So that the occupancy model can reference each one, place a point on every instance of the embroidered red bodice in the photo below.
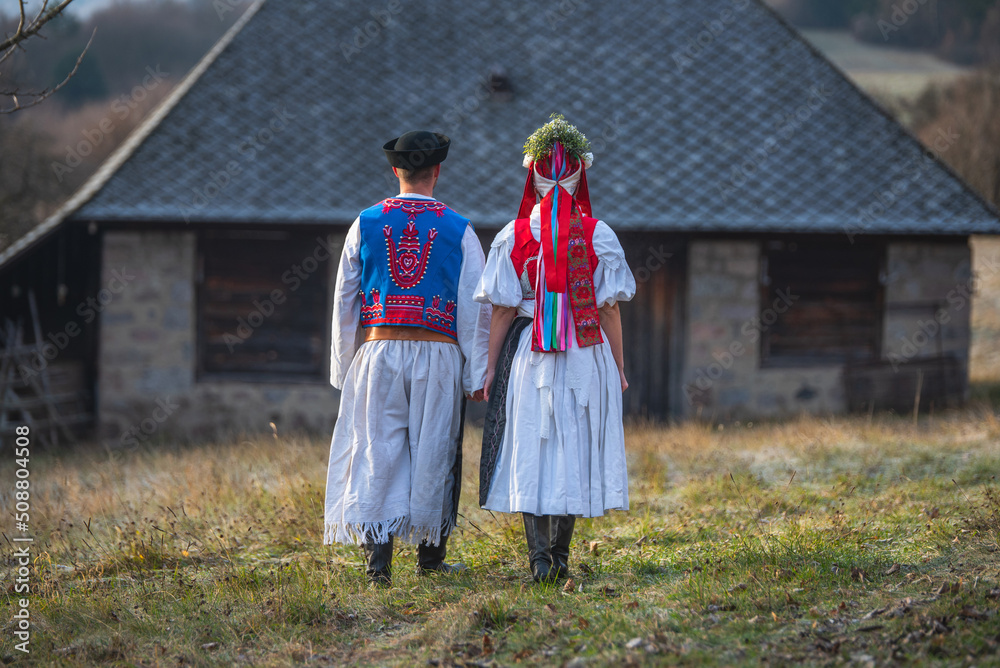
(526, 250)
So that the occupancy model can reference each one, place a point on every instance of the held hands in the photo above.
(484, 393)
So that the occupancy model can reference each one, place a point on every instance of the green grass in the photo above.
(812, 541)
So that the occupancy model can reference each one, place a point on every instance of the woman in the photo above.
(553, 444)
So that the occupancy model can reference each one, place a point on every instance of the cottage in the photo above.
(796, 249)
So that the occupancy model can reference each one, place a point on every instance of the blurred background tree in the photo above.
(133, 37)
(170, 36)
(961, 31)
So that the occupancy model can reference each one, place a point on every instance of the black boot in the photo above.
(560, 548)
(538, 532)
(430, 558)
(379, 568)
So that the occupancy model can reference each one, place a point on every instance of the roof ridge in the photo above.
(135, 139)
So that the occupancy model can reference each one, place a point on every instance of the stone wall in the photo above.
(928, 290)
(926, 313)
(722, 376)
(147, 389)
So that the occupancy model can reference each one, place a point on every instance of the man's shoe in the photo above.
(539, 534)
(379, 563)
(560, 548)
(430, 559)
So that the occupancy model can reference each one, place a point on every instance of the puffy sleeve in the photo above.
(346, 307)
(500, 285)
(473, 319)
(613, 280)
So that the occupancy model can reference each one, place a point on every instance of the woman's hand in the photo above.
(488, 385)
(621, 376)
(500, 322)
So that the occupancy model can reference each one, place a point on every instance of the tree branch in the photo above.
(26, 29)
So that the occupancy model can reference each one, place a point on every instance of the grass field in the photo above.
(814, 541)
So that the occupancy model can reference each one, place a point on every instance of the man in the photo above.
(407, 275)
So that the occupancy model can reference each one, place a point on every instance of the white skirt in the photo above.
(395, 443)
(563, 447)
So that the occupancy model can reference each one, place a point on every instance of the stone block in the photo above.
(181, 292)
(733, 397)
(707, 331)
(738, 312)
(746, 268)
(276, 396)
(125, 356)
(177, 318)
(722, 287)
(158, 381)
(771, 402)
(145, 334)
(111, 318)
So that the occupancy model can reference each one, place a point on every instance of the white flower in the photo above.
(527, 161)
(588, 159)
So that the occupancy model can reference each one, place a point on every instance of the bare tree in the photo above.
(28, 27)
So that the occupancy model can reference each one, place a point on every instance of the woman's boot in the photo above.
(539, 532)
(560, 547)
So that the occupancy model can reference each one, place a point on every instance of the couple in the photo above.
(418, 322)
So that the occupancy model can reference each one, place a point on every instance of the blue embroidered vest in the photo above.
(411, 259)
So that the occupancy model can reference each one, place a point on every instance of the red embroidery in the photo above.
(581, 283)
(413, 207)
(402, 309)
(408, 261)
(373, 310)
(446, 317)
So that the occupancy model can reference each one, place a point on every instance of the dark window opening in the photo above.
(262, 306)
(821, 302)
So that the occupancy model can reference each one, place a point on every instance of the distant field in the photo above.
(883, 70)
(856, 540)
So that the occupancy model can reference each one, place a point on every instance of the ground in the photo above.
(855, 540)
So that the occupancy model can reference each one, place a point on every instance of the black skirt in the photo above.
(496, 408)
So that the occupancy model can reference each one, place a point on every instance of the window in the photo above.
(821, 302)
(262, 305)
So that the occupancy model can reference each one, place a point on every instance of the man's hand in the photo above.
(476, 396)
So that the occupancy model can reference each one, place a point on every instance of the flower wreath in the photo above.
(539, 145)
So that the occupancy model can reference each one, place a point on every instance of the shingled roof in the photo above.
(706, 116)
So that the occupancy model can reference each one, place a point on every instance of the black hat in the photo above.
(417, 149)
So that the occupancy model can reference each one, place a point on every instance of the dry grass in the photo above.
(744, 541)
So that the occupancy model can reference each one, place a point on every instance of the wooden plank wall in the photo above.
(837, 315)
(239, 267)
(652, 323)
